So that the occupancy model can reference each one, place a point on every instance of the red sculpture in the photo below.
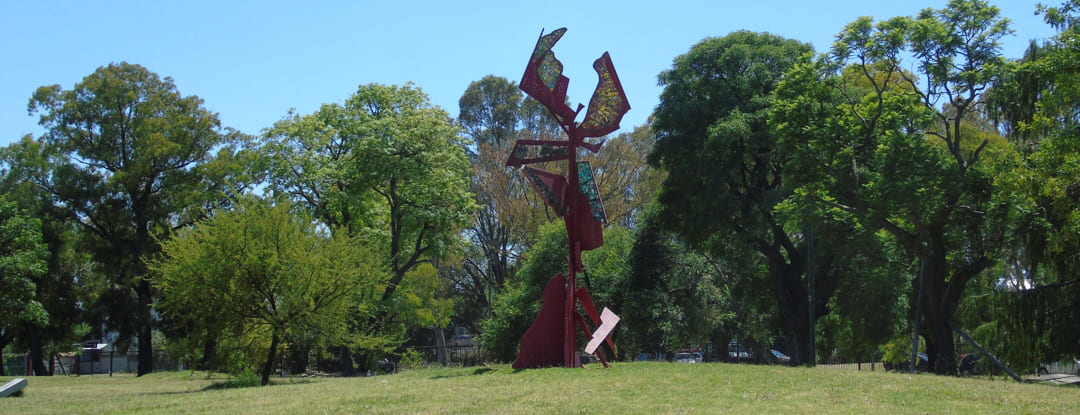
(552, 339)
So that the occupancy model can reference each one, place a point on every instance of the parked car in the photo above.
(737, 352)
(688, 357)
(780, 357)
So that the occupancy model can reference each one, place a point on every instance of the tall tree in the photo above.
(65, 287)
(724, 167)
(22, 259)
(673, 297)
(386, 165)
(894, 150)
(126, 155)
(490, 110)
(1042, 299)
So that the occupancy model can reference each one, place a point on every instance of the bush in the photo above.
(412, 359)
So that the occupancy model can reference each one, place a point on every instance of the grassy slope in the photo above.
(625, 388)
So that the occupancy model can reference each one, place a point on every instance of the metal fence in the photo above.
(868, 366)
(96, 363)
(455, 355)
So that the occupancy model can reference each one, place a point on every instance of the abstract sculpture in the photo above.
(552, 339)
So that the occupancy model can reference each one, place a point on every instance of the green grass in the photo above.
(624, 388)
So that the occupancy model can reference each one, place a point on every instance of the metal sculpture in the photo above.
(552, 339)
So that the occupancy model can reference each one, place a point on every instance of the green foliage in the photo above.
(22, 260)
(412, 359)
(897, 351)
(519, 304)
(725, 170)
(258, 275)
(390, 168)
(672, 297)
(129, 158)
(900, 154)
(490, 110)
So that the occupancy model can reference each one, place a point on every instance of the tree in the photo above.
(724, 167)
(1031, 313)
(895, 152)
(386, 165)
(128, 158)
(65, 286)
(490, 110)
(259, 271)
(673, 297)
(626, 181)
(22, 259)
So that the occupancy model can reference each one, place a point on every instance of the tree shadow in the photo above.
(477, 372)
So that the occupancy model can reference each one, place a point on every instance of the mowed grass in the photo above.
(646, 387)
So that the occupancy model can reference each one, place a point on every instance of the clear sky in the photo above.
(251, 61)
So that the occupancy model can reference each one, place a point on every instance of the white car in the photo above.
(688, 357)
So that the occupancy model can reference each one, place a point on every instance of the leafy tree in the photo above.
(387, 166)
(627, 183)
(490, 110)
(895, 152)
(1031, 313)
(22, 259)
(674, 298)
(491, 113)
(128, 158)
(517, 306)
(69, 281)
(724, 167)
(262, 273)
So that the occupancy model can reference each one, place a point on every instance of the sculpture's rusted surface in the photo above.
(552, 339)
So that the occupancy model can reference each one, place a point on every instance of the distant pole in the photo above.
(918, 317)
(810, 276)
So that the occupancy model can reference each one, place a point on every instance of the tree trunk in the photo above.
(268, 367)
(145, 319)
(209, 353)
(792, 301)
(940, 349)
(37, 357)
(348, 366)
(4, 340)
(440, 345)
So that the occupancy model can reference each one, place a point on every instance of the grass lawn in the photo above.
(645, 387)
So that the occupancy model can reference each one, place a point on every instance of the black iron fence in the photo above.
(88, 363)
(450, 356)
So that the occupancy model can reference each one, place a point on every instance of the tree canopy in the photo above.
(724, 166)
(127, 156)
(387, 166)
(22, 257)
(873, 141)
(266, 276)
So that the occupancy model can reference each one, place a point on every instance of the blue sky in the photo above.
(251, 61)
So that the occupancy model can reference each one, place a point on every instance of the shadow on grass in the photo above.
(477, 372)
(244, 383)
